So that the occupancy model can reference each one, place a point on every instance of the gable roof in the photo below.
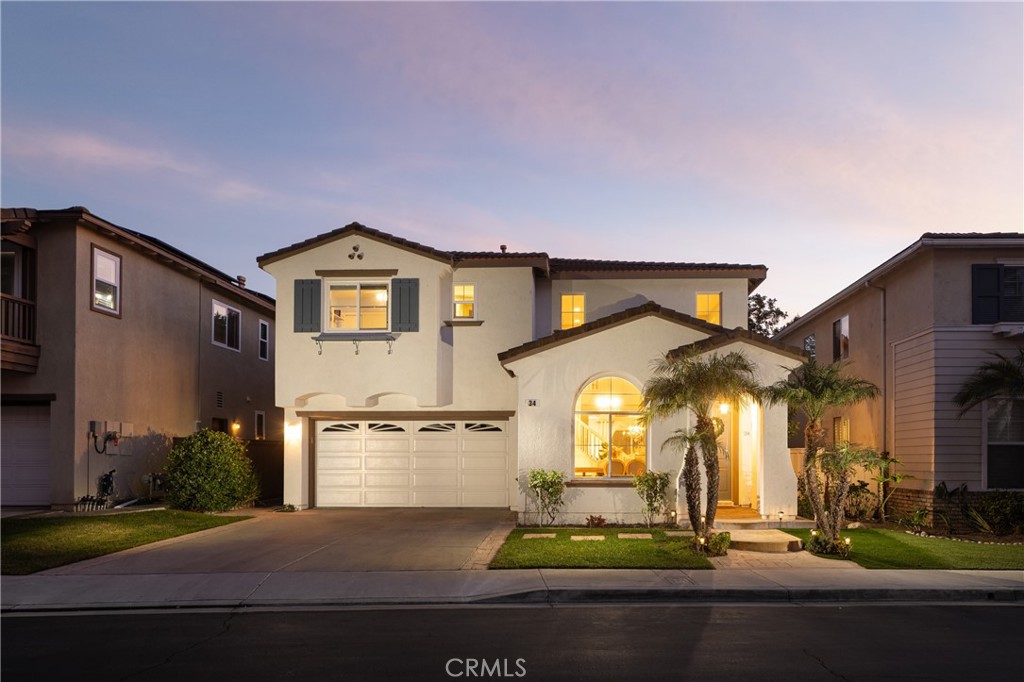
(554, 267)
(614, 320)
(738, 335)
(940, 240)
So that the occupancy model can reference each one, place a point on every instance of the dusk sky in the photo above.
(816, 138)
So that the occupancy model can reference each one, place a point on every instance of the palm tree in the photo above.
(812, 389)
(692, 381)
(1002, 378)
(687, 441)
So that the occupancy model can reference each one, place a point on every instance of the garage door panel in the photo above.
(25, 455)
(376, 480)
(354, 480)
(388, 498)
(484, 464)
(373, 444)
(435, 498)
(439, 444)
(375, 463)
(448, 479)
(484, 499)
(333, 463)
(329, 445)
(447, 463)
(488, 445)
(340, 498)
(484, 480)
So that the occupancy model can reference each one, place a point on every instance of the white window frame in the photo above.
(259, 417)
(227, 334)
(696, 307)
(472, 302)
(359, 284)
(984, 448)
(263, 341)
(97, 253)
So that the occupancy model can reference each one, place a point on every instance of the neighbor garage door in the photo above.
(412, 464)
(25, 455)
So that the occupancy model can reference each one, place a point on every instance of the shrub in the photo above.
(208, 471)
(821, 544)
(715, 544)
(549, 487)
(1001, 511)
(596, 521)
(861, 503)
(652, 487)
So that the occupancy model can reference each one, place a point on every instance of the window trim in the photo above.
(213, 326)
(472, 302)
(608, 478)
(358, 283)
(119, 284)
(263, 344)
(561, 309)
(259, 418)
(696, 307)
(984, 447)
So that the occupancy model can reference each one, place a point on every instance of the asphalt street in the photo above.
(784, 642)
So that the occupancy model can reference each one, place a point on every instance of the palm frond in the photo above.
(999, 378)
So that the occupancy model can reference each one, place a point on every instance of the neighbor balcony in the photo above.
(18, 348)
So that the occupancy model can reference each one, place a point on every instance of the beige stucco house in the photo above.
(917, 326)
(411, 376)
(108, 331)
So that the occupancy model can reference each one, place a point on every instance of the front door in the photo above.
(727, 444)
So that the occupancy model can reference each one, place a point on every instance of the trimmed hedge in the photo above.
(208, 471)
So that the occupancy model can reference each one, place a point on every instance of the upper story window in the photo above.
(810, 346)
(841, 339)
(574, 310)
(709, 308)
(997, 293)
(106, 281)
(610, 438)
(464, 297)
(358, 306)
(259, 425)
(264, 351)
(227, 323)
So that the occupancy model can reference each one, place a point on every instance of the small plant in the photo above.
(549, 487)
(208, 471)
(886, 477)
(979, 522)
(860, 502)
(820, 544)
(714, 544)
(596, 521)
(652, 487)
(1003, 510)
(916, 522)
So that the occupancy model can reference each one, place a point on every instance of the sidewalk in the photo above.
(281, 589)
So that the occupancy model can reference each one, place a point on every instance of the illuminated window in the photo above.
(609, 436)
(358, 307)
(106, 281)
(464, 296)
(573, 310)
(709, 308)
(840, 430)
(227, 322)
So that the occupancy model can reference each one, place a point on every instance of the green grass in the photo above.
(562, 552)
(879, 548)
(36, 544)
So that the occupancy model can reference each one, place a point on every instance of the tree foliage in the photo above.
(764, 316)
(208, 471)
(549, 487)
(999, 378)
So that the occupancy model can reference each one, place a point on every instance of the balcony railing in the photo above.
(18, 319)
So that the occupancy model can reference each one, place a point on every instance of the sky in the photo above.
(818, 139)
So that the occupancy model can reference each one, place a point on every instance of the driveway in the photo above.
(317, 540)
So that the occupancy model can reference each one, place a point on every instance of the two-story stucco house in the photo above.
(417, 377)
(917, 326)
(108, 331)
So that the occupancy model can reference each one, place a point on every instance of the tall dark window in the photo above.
(841, 339)
(997, 293)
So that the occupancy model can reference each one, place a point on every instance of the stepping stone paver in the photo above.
(587, 537)
(676, 533)
(534, 536)
(635, 536)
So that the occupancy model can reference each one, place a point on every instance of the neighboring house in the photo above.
(108, 331)
(917, 326)
(415, 377)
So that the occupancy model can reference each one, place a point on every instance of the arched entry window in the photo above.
(609, 438)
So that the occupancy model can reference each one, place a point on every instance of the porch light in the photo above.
(235, 426)
(724, 408)
(780, 518)
(814, 532)
(847, 541)
(292, 432)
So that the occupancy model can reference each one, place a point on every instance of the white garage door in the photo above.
(412, 464)
(25, 455)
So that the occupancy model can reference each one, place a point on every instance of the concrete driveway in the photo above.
(317, 540)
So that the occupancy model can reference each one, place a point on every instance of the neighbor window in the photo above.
(997, 294)
(464, 296)
(810, 346)
(260, 426)
(840, 430)
(227, 322)
(106, 281)
(573, 310)
(841, 339)
(610, 438)
(1004, 431)
(709, 308)
(264, 340)
(358, 306)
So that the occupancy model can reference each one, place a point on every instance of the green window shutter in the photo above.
(405, 305)
(986, 292)
(307, 305)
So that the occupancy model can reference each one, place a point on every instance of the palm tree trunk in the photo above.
(813, 435)
(709, 450)
(691, 479)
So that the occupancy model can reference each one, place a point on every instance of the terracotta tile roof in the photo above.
(973, 235)
(614, 320)
(354, 228)
(585, 265)
(732, 335)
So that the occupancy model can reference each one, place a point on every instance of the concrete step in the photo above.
(773, 541)
(760, 524)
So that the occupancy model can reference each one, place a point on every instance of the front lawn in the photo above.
(563, 552)
(36, 544)
(880, 548)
